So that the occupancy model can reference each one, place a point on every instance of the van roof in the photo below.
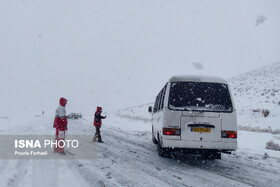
(196, 78)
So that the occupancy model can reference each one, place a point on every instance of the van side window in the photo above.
(162, 97)
(156, 104)
(159, 101)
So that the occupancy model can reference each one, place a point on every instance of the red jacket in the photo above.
(60, 120)
(60, 123)
(98, 117)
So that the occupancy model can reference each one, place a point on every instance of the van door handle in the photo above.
(201, 125)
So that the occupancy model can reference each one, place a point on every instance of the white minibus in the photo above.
(196, 115)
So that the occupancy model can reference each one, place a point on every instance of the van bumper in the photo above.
(225, 144)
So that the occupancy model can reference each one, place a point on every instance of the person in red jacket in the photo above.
(60, 123)
(97, 123)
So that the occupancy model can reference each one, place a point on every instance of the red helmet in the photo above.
(99, 109)
(63, 101)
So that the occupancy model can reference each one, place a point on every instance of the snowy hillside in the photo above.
(139, 112)
(253, 92)
(257, 91)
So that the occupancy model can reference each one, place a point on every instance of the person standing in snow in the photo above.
(60, 123)
(97, 123)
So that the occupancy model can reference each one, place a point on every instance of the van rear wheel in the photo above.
(153, 137)
(164, 152)
(212, 155)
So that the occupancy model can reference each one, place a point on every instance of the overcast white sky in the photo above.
(119, 53)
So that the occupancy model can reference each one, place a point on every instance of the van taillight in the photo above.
(171, 131)
(229, 134)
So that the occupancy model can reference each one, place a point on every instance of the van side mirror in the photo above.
(150, 110)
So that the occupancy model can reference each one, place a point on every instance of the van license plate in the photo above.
(200, 129)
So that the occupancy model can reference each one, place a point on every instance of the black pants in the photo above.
(97, 133)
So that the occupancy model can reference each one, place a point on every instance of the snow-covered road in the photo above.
(129, 158)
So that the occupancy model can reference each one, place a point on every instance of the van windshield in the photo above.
(200, 96)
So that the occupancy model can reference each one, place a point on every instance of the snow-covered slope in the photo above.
(139, 112)
(257, 91)
(254, 93)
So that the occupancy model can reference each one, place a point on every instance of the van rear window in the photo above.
(200, 96)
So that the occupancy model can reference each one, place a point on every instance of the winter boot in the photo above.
(63, 153)
(94, 139)
(100, 141)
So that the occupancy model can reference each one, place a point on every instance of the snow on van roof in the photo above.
(197, 78)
